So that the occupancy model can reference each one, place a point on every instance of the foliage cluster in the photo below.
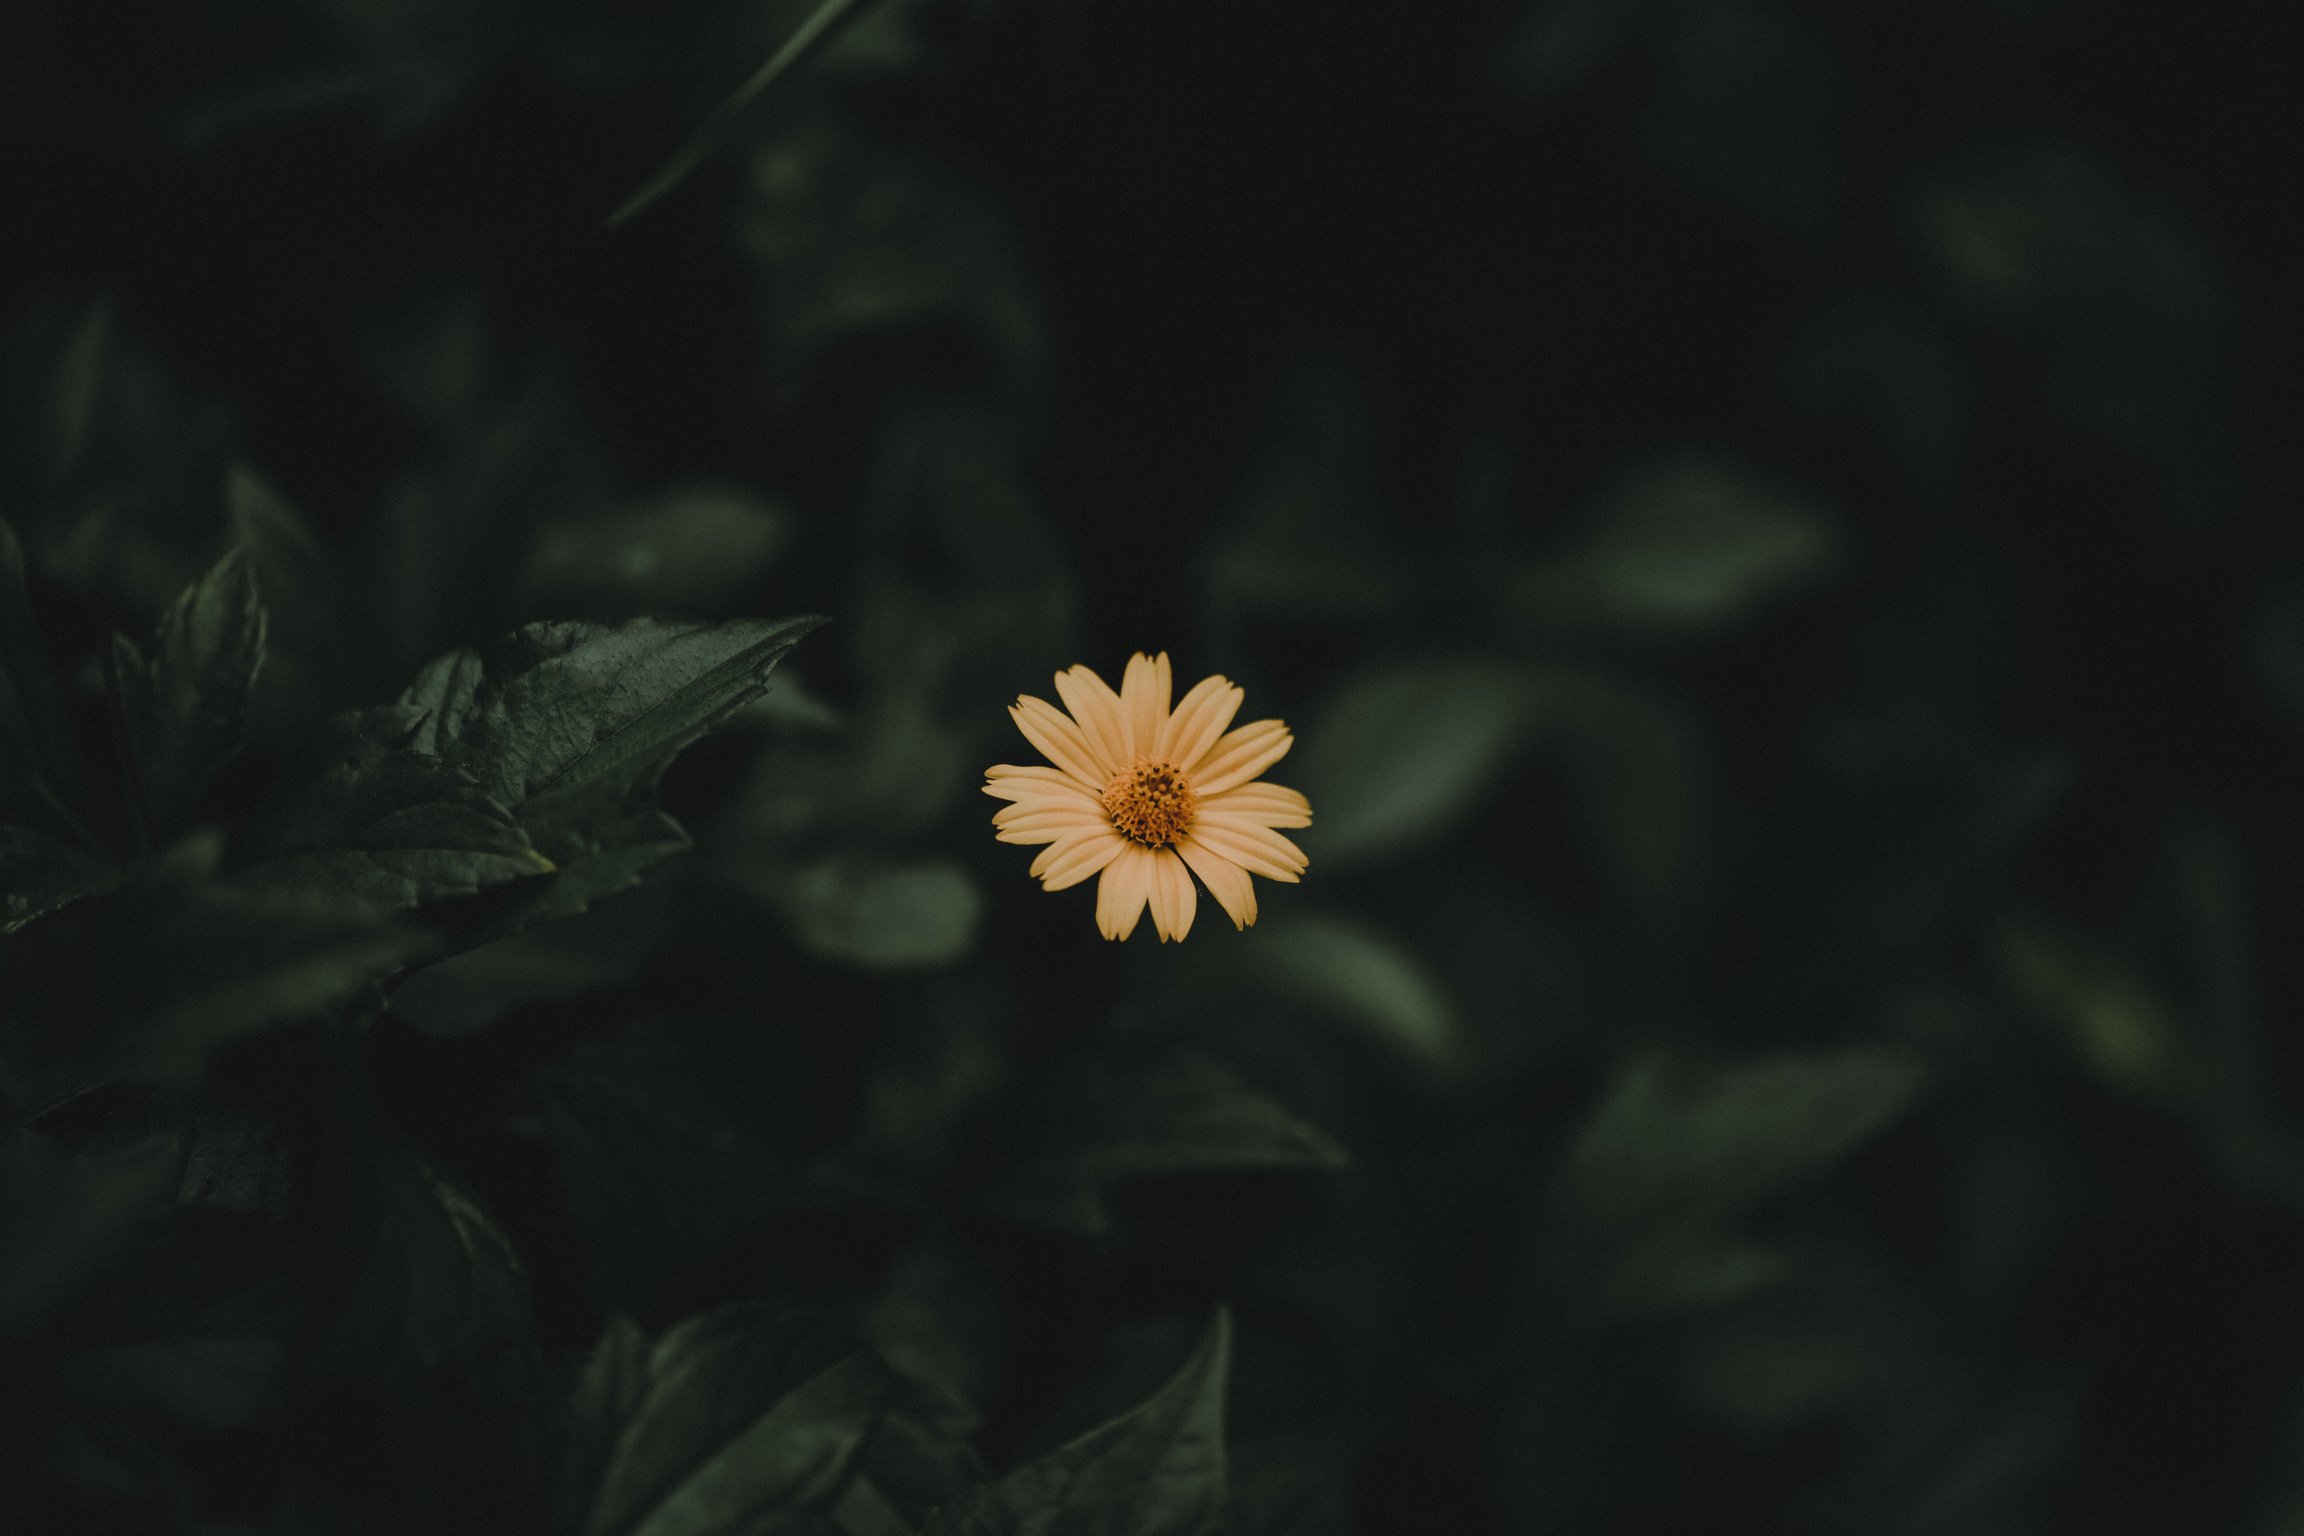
(507, 1025)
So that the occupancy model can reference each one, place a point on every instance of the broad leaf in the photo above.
(401, 831)
(1406, 755)
(1157, 1470)
(737, 1421)
(1644, 1207)
(567, 711)
(1339, 968)
(907, 917)
(181, 706)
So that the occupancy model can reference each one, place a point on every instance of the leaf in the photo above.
(746, 1422)
(566, 724)
(908, 917)
(1338, 967)
(1157, 1470)
(1714, 1142)
(447, 1287)
(917, 1458)
(143, 982)
(301, 581)
(1405, 754)
(1671, 1157)
(1187, 1114)
(398, 832)
(807, 38)
(1684, 547)
(569, 710)
(608, 1396)
(182, 708)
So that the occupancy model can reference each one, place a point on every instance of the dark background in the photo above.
(1772, 524)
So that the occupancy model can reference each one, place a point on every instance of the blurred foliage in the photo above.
(1766, 518)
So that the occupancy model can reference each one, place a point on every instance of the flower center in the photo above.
(1150, 802)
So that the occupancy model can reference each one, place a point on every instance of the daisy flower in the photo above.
(1141, 794)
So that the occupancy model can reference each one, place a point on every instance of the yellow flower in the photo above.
(1141, 793)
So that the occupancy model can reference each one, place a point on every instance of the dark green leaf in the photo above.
(447, 1285)
(902, 918)
(1645, 1205)
(182, 707)
(400, 831)
(1685, 546)
(1157, 1470)
(918, 1457)
(1405, 755)
(573, 710)
(747, 1423)
(1342, 969)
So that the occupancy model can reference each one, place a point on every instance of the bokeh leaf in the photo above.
(1157, 1470)
(1404, 756)
(182, 706)
(747, 1423)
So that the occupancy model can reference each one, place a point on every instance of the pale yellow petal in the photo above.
(1144, 702)
(1226, 881)
(1032, 773)
(1122, 893)
(1061, 739)
(1047, 827)
(1271, 805)
(1252, 848)
(1199, 719)
(1042, 813)
(1239, 756)
(1063, 791)
(1097, 708)
(1067, 863)
(1173, 898)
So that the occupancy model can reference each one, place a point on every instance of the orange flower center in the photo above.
(1150, 802)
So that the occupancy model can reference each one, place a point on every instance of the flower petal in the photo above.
(1199, 719)
(1063, 793)
(1126, 886)
(1258, 850)
(1226, 881)
(1097, 708)
(1065, 864)
(1144, 694)
(1239, 756)
(1059, 737)
(1047, 827)
(1173, 898)
(1270, 805)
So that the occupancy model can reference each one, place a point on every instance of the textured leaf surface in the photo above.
(398, 832)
